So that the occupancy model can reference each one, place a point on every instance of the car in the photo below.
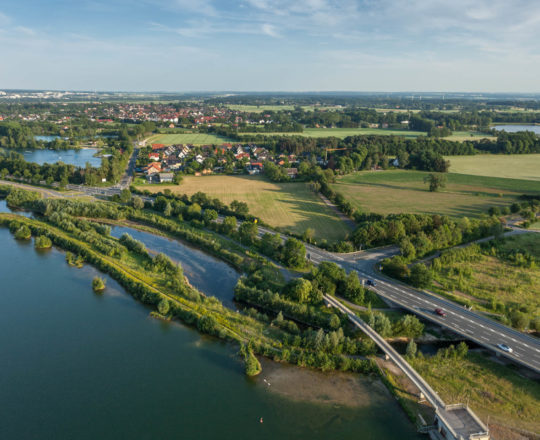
(371, 283)
(505, 347)
(440, 312)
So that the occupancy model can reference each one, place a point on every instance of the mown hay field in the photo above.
(290, 206)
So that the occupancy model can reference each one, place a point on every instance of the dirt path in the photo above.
(350, 223)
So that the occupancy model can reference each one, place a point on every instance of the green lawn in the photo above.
(514, 166)
(399, 191)
(188, 138)
(291, 206)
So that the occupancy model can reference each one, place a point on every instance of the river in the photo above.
(72, 157)
(513, 128)
(79, 365)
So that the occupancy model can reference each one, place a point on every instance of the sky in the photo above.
(265, 45)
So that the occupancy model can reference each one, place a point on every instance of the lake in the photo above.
(79, 365)
(510, 128)
(72, 157)
(211, 276)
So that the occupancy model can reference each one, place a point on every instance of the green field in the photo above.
(345, 132)
(262, 108)
(491, 278)
(491, 389)
(291, 206)
(188, 138)
(398, 191)
(514, 166)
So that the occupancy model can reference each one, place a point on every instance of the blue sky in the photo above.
(264, 45)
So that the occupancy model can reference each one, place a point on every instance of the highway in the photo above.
(471, 325)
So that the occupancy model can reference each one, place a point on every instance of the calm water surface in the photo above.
(514, 128)
(211, 276)
(76, 365)
(72, 157)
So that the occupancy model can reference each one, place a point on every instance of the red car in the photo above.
(440, 312)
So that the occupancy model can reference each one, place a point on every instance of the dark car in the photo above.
(371, 283)
(440, 312)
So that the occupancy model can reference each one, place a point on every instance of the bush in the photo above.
(43, 242)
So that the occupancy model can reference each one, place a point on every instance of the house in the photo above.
(292, 172)
(158, 147)
(153, 168)
(153, 156)
(165, 177)
(199, 158)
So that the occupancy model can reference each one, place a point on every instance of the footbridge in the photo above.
(452, 421)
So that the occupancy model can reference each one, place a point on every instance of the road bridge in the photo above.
(456, 421)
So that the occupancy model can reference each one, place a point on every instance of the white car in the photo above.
(505, 347)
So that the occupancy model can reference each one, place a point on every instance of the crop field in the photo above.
(188, 138)
(513, 166)
(290, 206)
(399, 191)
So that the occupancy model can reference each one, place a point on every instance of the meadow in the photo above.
(188, 138)
(491, 389)
(404, 191)
(515, 166)
(262, 108)
(491, 278)
(342, 133)
(289, 206)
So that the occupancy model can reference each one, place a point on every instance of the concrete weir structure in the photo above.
(454, 422)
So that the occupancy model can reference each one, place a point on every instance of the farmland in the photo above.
(188, 138)
(516, 166)
(345, 132)
(290, 206)
(397, 191)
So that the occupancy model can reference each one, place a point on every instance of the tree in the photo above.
(210, 215)
(436, 181)
(411, 326)
(252, 364)
(247, 232)
(168, 210)
(23, 233)
(421, 276)
(411, 349)
(163, 306)
(43, 242)
(462, 349)
(240, 208)
(519, 320)
(125, 196)
(382, 325)
(177, 179)
(353, 289)
(270, 244)
(229, 225)
(294, 253)
(137, 202)
(98, 284)
(299, 290)
(308, 235)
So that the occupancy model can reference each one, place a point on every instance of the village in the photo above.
(159, 163)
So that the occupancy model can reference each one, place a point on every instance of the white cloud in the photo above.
(269, 29)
